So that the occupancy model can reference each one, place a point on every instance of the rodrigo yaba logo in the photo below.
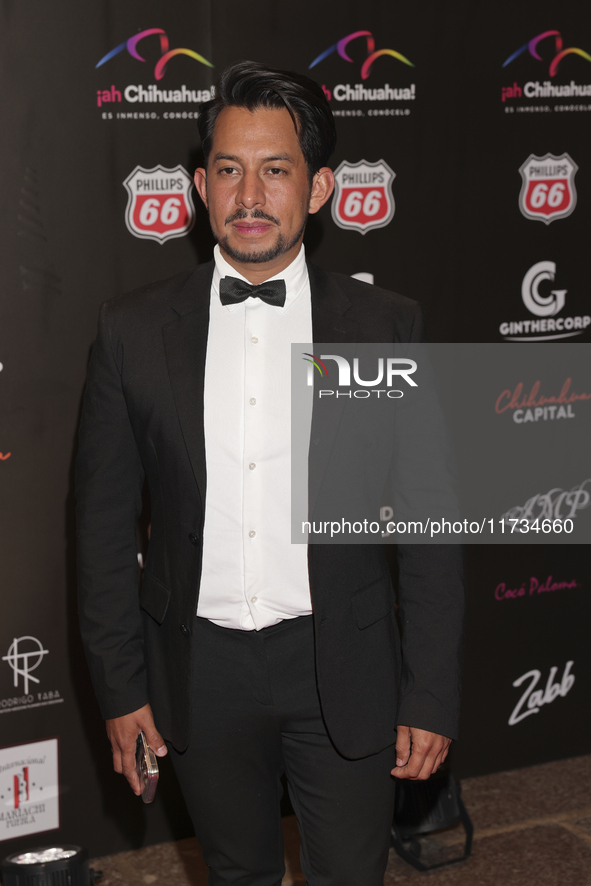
(363, 197)
(359, 93)
(159, 206)
(544, 301)
(24, 656)
(548, 51)
(150, 93)
(548, 187)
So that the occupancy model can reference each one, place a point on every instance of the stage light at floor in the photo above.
(423, 808)
(49, 866)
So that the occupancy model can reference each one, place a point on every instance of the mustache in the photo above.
(242, 214)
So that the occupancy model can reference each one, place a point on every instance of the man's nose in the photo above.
(251, 192)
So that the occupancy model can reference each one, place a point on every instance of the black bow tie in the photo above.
(233, 290)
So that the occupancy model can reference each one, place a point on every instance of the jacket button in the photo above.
(185, 631)
(194, 539)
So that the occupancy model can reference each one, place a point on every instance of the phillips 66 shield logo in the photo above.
(548, 189)
(363, 195)
(159, 206)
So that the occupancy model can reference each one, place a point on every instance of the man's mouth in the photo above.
(252, 225)
(251, 228)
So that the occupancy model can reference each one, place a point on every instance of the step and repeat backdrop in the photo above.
(463, 181)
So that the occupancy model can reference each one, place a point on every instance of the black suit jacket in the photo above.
(143, 417)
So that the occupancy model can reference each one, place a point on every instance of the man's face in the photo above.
(257, 189)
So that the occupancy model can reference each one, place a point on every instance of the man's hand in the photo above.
(419, 753)
(123, 733)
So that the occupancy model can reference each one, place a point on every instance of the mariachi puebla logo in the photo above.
(159, 206)
(548, 188)
(363, 195)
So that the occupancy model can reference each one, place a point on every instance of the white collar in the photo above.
(295, 276)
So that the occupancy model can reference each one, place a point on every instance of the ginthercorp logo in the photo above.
(548, 51)
(544, 303)
(388, 371)
(159, 206)
(109, 96)
(24, 656)
(548, 187)
(363, 195)
(357, 92)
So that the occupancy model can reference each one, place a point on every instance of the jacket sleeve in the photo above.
(431, 601)
(109, 478)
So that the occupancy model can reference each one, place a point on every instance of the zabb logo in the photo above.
(548, 189)
(160, 205)
(533, 699)
(544, 306)
(363, 195)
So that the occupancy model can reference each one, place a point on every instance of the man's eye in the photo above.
(228, 170)
(276, 170)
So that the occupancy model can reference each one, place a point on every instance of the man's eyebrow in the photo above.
(233, 158)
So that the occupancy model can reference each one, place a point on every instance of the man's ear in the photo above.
(322, 188)
(200, 180)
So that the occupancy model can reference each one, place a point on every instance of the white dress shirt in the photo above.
(252, 576)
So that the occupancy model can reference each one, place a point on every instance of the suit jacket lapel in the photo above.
(329, 305)
(329, 325)
(185, 345)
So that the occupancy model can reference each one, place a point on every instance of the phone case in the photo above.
(147, 768)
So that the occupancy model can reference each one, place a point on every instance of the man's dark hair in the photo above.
(251, 85)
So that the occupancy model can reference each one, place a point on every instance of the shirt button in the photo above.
(254, 340)
(252, 466)
(253, 401)
(253, 599)
(252, 533)
(185, 631)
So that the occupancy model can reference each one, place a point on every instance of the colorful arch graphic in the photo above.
(532, 47)
(556, 61)
(341, 48)
(166, 52)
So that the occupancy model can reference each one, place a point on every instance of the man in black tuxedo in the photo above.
(248, 655)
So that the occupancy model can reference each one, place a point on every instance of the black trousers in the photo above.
(256, 714)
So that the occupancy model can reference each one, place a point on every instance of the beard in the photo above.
(254, 256)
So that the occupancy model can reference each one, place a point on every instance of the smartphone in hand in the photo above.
(146, 768)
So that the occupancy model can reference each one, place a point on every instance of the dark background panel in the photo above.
(457, 242)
